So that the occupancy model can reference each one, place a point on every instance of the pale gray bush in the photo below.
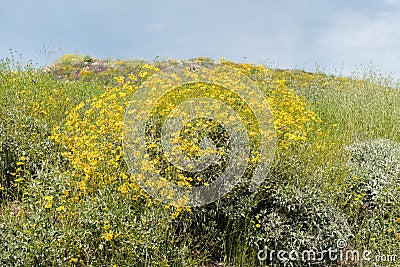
(377, 164)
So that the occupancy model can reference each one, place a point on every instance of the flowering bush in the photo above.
(92, 133)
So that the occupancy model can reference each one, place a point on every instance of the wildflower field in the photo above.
(68, 197)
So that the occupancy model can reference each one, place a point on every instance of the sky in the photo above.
(341, 36)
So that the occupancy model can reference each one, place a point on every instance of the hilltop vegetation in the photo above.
(68, 199)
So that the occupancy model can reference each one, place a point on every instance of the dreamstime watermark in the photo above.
(156, 142)
(341, 253)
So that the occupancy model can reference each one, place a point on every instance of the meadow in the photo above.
(67, 197)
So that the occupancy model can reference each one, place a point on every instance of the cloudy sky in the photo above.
(341, 35)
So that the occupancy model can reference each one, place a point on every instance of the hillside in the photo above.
(68, 196)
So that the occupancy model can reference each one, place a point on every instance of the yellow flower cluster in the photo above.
(92, 138)
(291, 117)
(92, 133)
(49, 202)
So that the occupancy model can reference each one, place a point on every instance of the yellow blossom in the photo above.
(123, 189)
(60, 208)
(108, 235)
(119, 79)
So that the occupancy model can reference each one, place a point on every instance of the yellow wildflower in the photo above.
(132, 77)
(61, 208)
(119, 79)
(123, 189)
(108, 235)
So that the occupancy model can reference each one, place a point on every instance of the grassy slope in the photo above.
(351, 111)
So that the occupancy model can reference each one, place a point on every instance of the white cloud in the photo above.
(361, 38)
(391, 2)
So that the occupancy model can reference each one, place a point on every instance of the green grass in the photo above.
(312, 196)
